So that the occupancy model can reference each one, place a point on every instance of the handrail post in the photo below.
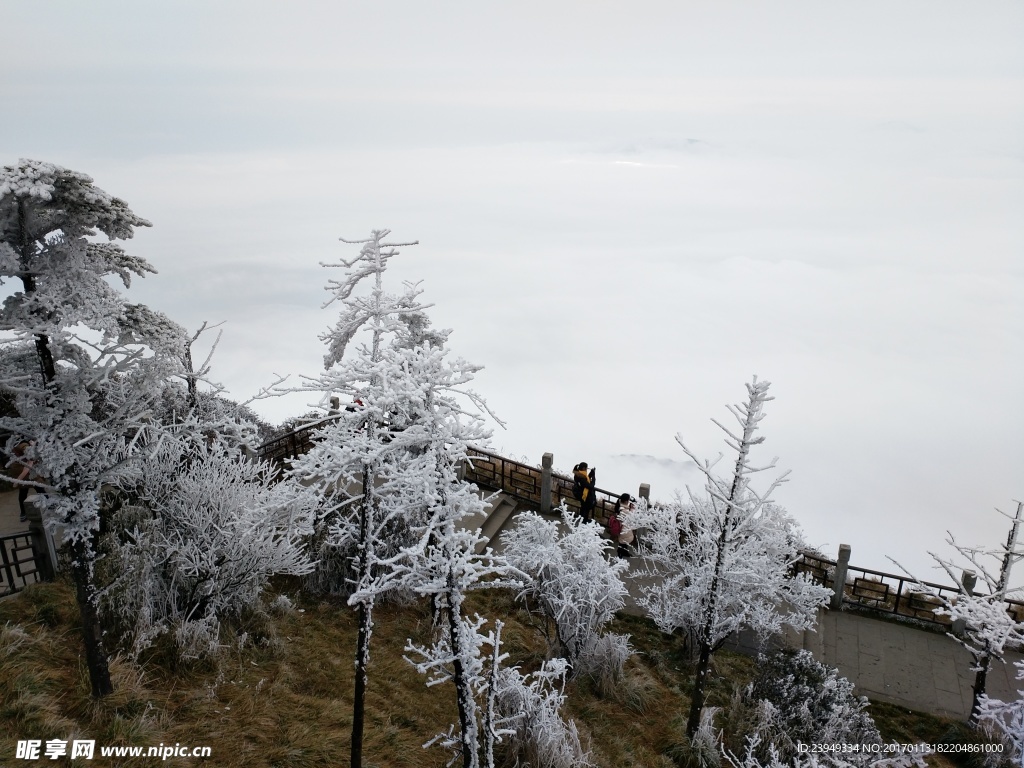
(42, 545)
(839, 582)
(546, 462)
(645, 493)
(968, 579)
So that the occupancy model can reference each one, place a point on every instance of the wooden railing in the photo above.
(865, 588)
(486, 469)
(19, 565)
(281, 449)
(889, 593)
(525, 483)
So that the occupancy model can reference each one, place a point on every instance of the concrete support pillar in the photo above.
(545, 483)
(42, 544)
(969, 580)
(645, 493)
(839, 583)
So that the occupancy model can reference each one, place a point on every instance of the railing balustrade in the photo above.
(486, 469)
(282, 449)
(524, 482)
(889, 593)
(18, 564)
(864, 588)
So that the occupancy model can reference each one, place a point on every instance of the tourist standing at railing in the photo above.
(20, 452)
(583, 489)
(621, 535)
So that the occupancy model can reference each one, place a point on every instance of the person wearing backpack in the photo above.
(583, 487)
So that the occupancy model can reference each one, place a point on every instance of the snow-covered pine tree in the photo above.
(101, 361)
(722, 561)
(796, 699)
(381, 474)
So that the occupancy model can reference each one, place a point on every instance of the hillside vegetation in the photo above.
(284, 698)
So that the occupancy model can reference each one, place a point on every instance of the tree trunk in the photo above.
(463, 690)
(46, 364)
(359, 703)
(82, 552)
(979, 689)
(699, 684)
(365, 620)
(707, 631)
(92, 633)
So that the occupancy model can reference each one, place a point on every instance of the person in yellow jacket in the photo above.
(583, 489)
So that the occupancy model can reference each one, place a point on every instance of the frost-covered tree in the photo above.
(796, 699)
(101, 362)
(520, 712)
(381, 475)
(197, 537)
(572, 585)
(988, 626)
(445, 565)
(198, 530)
(722, 561)
(531, 704)
(459, 656)
(1004, 720)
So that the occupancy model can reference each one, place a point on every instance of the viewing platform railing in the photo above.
(540, 487)
(887, 593)
(544, 489)
(537, 486)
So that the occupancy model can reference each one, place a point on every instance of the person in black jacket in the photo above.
(583, 489)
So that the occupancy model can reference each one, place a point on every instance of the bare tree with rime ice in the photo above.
(88, 408)
(1004, 720)
(380, 479)
(447, 558)
(722, 561)
(989, 628)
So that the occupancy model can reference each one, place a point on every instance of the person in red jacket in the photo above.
(621, 535)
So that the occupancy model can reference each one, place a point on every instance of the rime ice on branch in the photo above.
(722, 560)
(571, 584)
(100, 361)
(381, 477)
(988, 628)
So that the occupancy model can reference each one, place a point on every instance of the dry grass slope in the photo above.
(284, 697)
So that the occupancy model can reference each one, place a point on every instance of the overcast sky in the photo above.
(624, 211)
